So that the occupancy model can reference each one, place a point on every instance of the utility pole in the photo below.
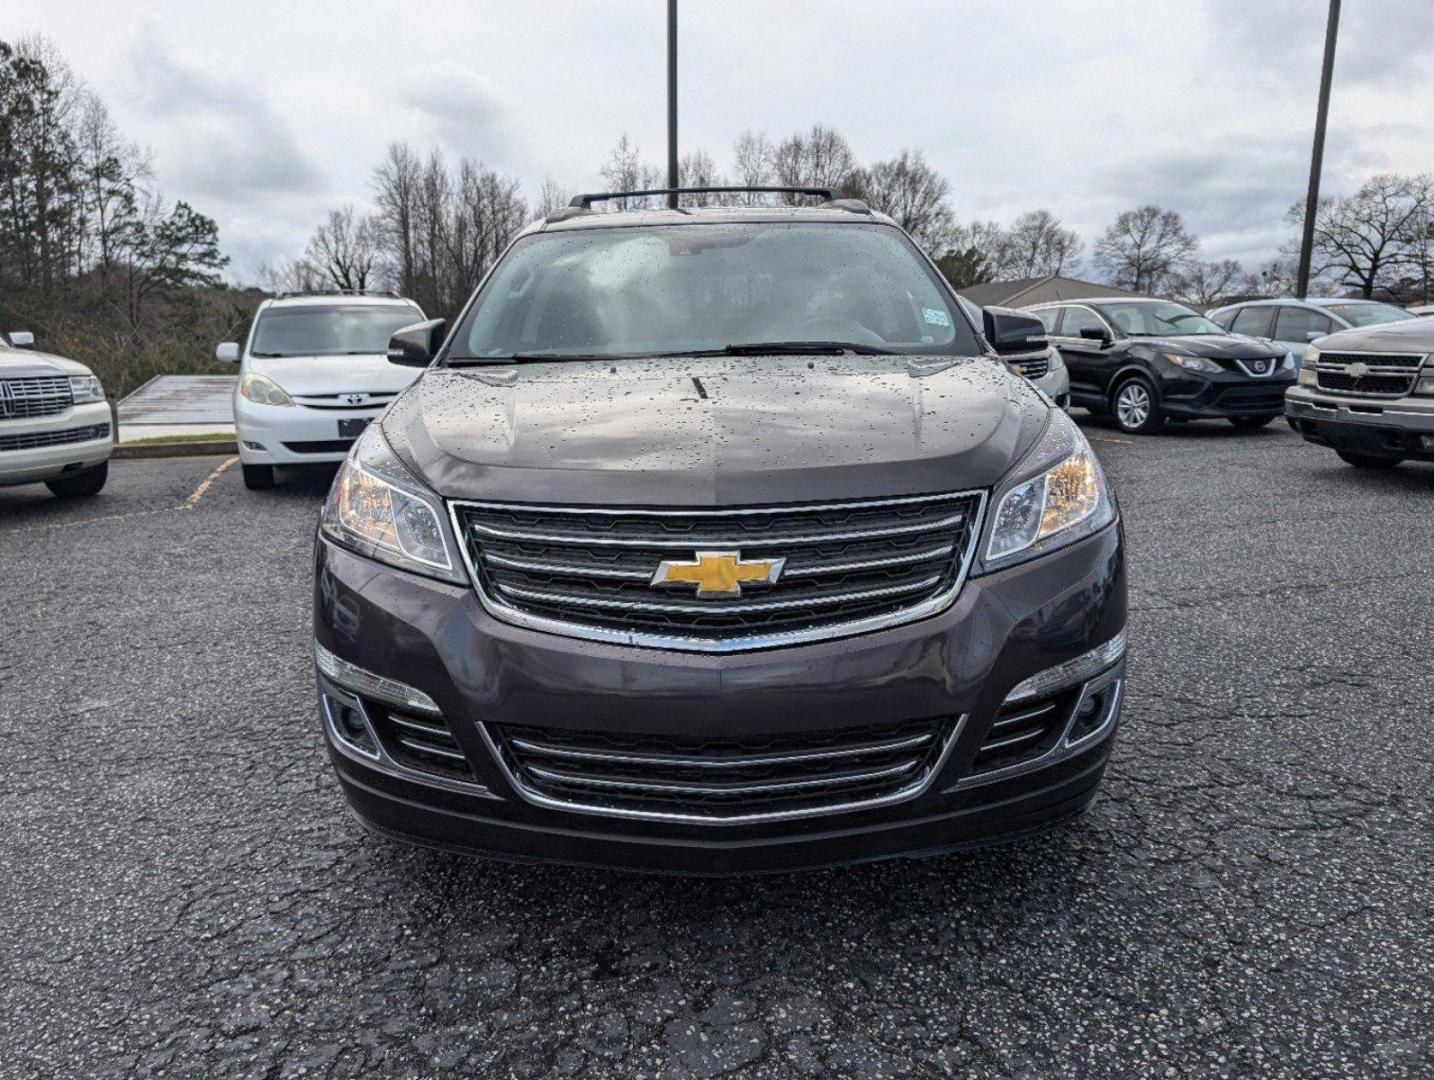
(1331, 33)
(672, 177)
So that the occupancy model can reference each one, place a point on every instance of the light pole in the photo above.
(1331, 32)
(672, 177)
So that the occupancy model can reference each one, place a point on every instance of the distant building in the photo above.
(1038, 290)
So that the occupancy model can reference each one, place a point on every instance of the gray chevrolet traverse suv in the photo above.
(718, 541)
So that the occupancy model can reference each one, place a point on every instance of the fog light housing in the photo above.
(1426, 442)
(1074, 671)
(367, 684)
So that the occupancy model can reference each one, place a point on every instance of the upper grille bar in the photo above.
(42, 395)
(843, 568)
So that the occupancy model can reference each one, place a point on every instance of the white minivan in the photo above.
(312, 374)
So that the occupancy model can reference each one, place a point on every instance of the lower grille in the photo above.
(419, 742)
(719, 780)
(34, 439)
(1024, 731)
(808, 571)
(45, 395)
(321, 446)
(1253, 398)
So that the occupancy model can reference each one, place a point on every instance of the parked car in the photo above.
(55, 424)
(1293, 324)
(1149, 361)
(718, 540)
(1043, 367)
(1368, 394)
(312, 374)
(1422, 310)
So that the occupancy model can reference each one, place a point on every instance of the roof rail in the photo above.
(289, 295)
(585, 202)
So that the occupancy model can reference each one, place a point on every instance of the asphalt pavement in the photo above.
(184, 893)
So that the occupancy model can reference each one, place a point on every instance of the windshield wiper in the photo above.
(815, 348)
(520, 357)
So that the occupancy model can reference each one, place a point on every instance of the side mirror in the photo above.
(228, 353)
(1313, 335)
(22, 339)
(417, 345)
(1011, 331)
(1095, 333)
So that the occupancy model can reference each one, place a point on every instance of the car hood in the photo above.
(1414, 336)
(18, 363)
(725, 431)
(305, 375)
(1220, 346)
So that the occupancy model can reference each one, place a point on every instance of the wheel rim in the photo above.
(1132, 405)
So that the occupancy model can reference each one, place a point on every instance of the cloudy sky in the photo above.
(264, 114)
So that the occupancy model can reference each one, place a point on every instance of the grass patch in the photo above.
(209, 436)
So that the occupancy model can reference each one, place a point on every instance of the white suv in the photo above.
(55, 424)
(312, 374)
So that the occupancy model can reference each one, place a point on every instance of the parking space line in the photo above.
(1110, 439)
(188, 504)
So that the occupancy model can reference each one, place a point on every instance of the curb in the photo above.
(197, 448)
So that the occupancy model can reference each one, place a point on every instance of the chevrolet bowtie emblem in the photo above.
(1358, 369)
(718, 573)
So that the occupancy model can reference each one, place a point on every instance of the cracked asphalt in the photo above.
(184, 893)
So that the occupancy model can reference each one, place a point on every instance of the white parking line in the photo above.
(188, 504)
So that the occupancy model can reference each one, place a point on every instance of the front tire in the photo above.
(81, 485)
(258, 477)
(1135, 407)
(1368, 461)
(1250, 423)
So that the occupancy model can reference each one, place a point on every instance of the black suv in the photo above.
(1148, 361)
(718, 540)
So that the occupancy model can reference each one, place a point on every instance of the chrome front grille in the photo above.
(721, 780)
(46, 395)
(840, 568)
(1036, 367)
(1381, 374)
(34, 439)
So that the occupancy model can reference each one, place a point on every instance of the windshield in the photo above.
(684, 289)
(1368, 314)
(1161, 319)
(330, 329)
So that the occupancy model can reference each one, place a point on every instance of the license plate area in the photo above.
(352, 429)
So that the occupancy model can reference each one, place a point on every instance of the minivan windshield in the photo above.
(330, 329)
(1369, 314)
(1160, 319)
(693, 288)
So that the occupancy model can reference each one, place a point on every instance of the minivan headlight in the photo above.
(378, 508)
(262, 390)
(85, 389)
(1066, 499)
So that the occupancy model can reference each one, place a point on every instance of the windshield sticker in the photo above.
(936, 317)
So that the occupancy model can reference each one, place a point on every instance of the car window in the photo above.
(1049, 317)
(1368, 314)
(1254, 321)
(1225, 318)
(1078, 319)
(1297, 323)
(329, 329)
(1161, 318)
(678, 289)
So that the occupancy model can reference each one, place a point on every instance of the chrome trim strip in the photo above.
(564, 568)
(384, 763)
(709, 763)
(760, 788)
(718, 608)
(570, 570)
(710, 511)
(911, 791)
(1013, 740)
(923, 609)
(424, 748)
(872, 564)
(729, 544)
(415, 725)
(1021, 718)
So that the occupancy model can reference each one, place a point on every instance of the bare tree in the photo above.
(1037, 246)
(551, 198)
(626, 171)
(290, 276)
(752, 157)
(816, 158)
(345, 250)
(697, 170)
(1143, 248)
(1364, 240)
(987, 240)
(396, 182)
(1204, 284)
(113, 174)
(915, 196)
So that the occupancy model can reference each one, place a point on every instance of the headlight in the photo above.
(1193, 363)
(1425, 387)
(262, 390)
(1311, 355)
(378, 508)
(1065, 501)
(86, 388)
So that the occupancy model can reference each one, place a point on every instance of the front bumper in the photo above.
(1226, 396)
(1057, 386)
(31, 464)
(294, 434)
(483, 675)
(1402, 427)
